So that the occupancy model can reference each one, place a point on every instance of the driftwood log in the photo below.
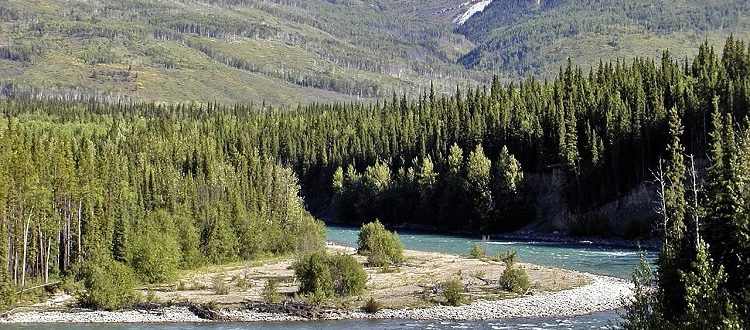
(204, 313)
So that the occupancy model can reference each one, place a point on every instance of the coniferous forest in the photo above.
(142, 190)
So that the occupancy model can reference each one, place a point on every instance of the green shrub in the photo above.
(155, 258)
(348, 276)
(220, 287)
(151, 297)
(514, 279)
(325, 276)
(453, 291)
(109, 285)
(507, 257)
(372, 306)
(155, 253)
(477, 252)
(314, 274)
(380, 245)
(211, 305)
(271, 291)
(7, 295)
(243, 281)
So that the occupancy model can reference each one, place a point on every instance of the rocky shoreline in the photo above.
(604, 293)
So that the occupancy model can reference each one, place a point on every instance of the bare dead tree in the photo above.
(660, 206)
(695, 191)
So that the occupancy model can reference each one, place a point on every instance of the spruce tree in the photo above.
(673, 259)
(708, 303)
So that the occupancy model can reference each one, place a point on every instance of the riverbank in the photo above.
(406, 293)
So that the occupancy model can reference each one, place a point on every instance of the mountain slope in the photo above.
(232, 50)
(535, 37)
(286, 52)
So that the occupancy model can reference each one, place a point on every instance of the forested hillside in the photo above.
(291, 52)
(519, 38)
(281, 52)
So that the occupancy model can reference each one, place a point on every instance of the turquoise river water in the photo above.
(617, 262)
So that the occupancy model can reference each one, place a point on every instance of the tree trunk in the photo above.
(46, 261)
(25, 250)
(80, 206)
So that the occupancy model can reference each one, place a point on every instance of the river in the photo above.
(617, 262)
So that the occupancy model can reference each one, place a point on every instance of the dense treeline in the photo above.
(217, 183)
(85, 187)
(704, 265)
(603, 130)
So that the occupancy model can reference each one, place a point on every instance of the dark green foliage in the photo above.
(153, 191)
(453, 292)
(231, 178)
(675, 255)
(109, 285)
(643, 312)
(514, 279)
(379, 245)
(703, 267)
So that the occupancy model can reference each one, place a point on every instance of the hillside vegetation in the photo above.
(535, 37)
(283, 52)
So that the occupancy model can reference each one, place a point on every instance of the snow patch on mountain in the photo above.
(474, 9)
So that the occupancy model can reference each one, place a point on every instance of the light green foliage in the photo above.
(508, 172)
(453, 292)
(322, 276)
(7, 295)
(380, 245)
(220, 285)
(455, 160)
(377, 178)
(708, 302)
(314, 274)
(191, 51)
(478, 184)
(155, 254)
(348, 276)
(109, 285)
(271, 291)
(514, 279)
(513, 36)
(189, 240)
(338, 180)
(477, 252)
